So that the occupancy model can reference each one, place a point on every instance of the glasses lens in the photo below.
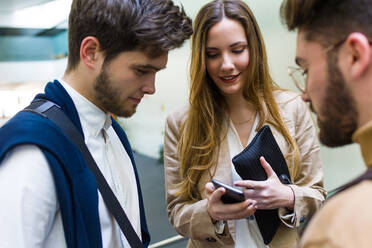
(299, 78)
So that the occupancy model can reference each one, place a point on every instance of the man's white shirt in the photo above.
(29, 209)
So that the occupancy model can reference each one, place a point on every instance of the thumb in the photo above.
(209, 188)
(269, 171)
(217, 194)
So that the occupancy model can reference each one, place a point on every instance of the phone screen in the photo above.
(232, 195)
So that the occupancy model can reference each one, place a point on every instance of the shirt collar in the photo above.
(92, 118)
(363, 136)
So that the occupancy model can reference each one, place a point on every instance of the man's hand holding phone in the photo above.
(242, 208)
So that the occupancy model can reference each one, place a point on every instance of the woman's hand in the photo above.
(221, 211)
(269, 194)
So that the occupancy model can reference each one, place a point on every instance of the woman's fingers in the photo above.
(250, 184)
(267, 167)
(242, 213)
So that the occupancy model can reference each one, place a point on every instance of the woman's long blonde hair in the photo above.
(205, 125)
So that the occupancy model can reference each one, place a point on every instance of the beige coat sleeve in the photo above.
(189, 219)
(308, 182)
(344, 221)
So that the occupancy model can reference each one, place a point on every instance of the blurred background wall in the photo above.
(33, 49)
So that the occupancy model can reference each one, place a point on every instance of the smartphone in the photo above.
(232, 195)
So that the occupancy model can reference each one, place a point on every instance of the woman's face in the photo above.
(227, 56)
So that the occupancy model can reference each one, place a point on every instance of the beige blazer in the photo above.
(192, 219)
(345, 220)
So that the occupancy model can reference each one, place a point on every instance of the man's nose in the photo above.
(149, 86)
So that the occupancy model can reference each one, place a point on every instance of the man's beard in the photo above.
(338, 115)
(109, 97)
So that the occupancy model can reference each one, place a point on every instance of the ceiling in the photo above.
(7, 6)
(33, 30)
(34, 14)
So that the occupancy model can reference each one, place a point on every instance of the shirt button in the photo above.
(210, 239)
(250, 217)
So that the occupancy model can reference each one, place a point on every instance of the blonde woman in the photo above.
(232, 96)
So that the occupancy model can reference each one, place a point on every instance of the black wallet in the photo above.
(247, 165)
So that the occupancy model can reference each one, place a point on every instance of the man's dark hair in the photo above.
(151, 26)
(328, 21)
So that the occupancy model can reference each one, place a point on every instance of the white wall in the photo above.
(14, 95)
(35, 16)
(35, 71)
(146, 126)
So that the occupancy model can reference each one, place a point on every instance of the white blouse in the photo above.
(247, 231)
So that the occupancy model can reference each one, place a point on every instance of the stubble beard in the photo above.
(110, 98)
(338, 119)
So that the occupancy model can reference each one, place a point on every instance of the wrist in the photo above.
(210, 216)
(291, 198)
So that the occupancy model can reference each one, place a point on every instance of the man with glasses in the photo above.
(334, 56)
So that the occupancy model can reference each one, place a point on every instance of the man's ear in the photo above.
(90, 52)
(359, 50)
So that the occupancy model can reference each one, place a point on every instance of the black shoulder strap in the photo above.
(365, 176)
(53, 112)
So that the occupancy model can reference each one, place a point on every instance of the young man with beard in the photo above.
(49, 196)
(334, 56)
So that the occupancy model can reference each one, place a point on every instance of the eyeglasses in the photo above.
(299, 77)
(299, 74)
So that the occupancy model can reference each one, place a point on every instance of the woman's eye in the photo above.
(238, 50)
(211, 55)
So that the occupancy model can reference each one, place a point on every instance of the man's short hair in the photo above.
(328, 21)
(151, 26)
